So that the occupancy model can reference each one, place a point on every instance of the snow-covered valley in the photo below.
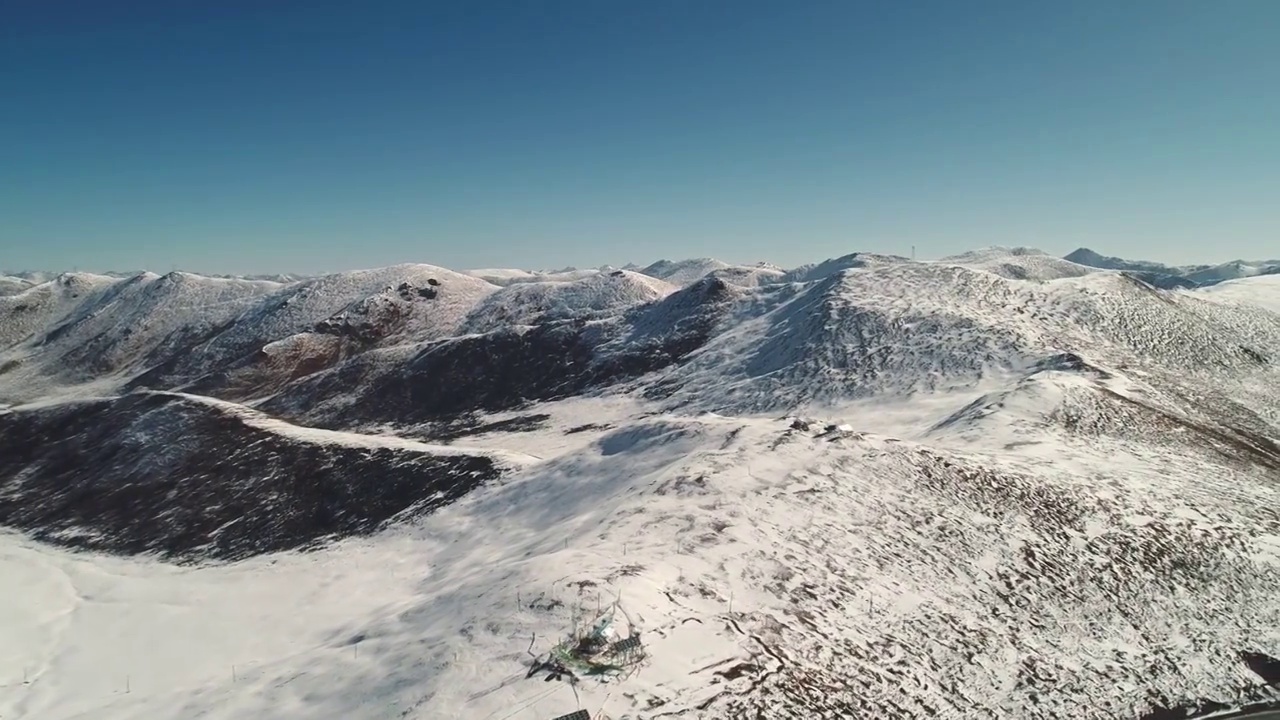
(1001, 485)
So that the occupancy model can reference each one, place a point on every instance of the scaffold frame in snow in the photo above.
(627, 645)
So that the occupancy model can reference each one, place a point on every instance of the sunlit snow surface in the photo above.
(1263, 291)
(1048, 494)
(865, 575)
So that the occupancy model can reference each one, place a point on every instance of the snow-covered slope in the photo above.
(1262, 291)
(38, 309)
(80, 328)
(309, 326)
(1169, 275)
(511, 276)
(770, 569)
(882, 333)
(508, 367)
(827, 268)
(1234, 270)
(13, 285)
(1085, 256)
(525, 303)
(282, 278)
(302, 306)
(910, 328)
(749, 275)
(135, 315)
(503, 276)
(995, 486)
(36, 277)
(1019, 263)
(684, 272)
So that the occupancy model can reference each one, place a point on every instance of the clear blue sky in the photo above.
(243, 136)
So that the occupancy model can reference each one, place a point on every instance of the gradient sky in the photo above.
(254, 136)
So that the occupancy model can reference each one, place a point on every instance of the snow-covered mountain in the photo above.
(1256, 291)
(10, 285)
(674, 272)
(1234, 270)
(827, 268)
(749, 275)
(526, 303)
(128, 320)
(1019, 263)
(41, 307)
(305, 327)
(684, 272)
(996, 485)
(512, 276)
(1085, 256)
(1170, 276)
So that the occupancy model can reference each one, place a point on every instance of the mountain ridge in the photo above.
(1000, 484)
(1177, 275)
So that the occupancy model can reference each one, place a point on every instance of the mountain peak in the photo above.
(683, 272)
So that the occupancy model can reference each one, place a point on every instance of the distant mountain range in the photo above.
(683, 272)
(1169, 276)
